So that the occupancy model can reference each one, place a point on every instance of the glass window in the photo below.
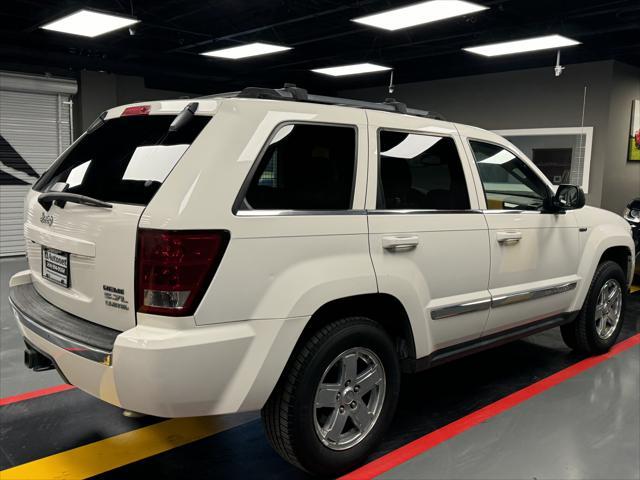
(420, 172)
(125, 160)
(563, 155)
(305, 167)
(509, 184)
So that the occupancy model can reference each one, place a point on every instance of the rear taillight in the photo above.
(174, 268)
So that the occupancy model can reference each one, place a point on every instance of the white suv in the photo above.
(281, 251)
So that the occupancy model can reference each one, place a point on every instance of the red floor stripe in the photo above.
(35, 394)
(422, 444)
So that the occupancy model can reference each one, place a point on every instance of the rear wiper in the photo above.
(180, 121)
(46, 200)
(183, 117)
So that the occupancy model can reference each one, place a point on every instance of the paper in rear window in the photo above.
(125, 160)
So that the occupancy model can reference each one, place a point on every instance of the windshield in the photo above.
(123, 161)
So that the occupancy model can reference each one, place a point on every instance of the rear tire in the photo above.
(597, 326)
(316, 418)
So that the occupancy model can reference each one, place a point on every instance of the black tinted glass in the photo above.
(420, 172)
(125, 160)
(306, 167)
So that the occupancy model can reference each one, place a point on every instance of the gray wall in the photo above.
(98, 91)
(534, 98)
(622, 178)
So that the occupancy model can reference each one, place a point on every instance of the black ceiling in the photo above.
(166, 45)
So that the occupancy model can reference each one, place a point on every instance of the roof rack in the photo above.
(292, 93)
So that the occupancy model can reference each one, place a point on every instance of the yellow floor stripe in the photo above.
(635, 288)
(104, 455)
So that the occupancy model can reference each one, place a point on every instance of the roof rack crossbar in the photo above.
(293, 93)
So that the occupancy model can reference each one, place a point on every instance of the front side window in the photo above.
(420, 172)
(509, 183)
(305, 167)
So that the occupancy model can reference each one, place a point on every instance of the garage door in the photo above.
(35, 127)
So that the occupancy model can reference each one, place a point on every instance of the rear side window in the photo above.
(420, 172)
(125, 160)
(305, 167)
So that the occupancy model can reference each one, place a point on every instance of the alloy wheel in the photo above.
(349, 398)
(608, 308)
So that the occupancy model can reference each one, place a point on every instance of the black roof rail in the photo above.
(297, 94)
(399, 106)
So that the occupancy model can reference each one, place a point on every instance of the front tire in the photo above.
(597, 326)
(336, 397)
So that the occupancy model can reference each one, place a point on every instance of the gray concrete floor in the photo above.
(587, 427)
(15, 378)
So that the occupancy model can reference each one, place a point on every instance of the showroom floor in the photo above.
(544, 413)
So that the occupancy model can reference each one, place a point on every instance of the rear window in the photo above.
(125, 160)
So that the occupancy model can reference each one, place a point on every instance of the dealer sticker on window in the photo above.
(55, 266)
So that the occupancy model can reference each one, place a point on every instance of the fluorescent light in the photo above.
(244, 51)
(526, 45)
(89, 24)
(351, 69)
(420, 13)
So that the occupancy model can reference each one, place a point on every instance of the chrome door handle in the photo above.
(508, 238)
(398, 243)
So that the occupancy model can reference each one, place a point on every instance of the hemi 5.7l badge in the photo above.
(115, 297)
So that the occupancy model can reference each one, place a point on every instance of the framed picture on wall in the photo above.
(634, 133)
(562, 154)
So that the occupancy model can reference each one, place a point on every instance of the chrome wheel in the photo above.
(349, 398)
(608, 309)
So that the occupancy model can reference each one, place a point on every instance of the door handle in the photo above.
(508, 238)
(395, 244)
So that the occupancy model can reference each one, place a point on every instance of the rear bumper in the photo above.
(60, 328)
(167, 372)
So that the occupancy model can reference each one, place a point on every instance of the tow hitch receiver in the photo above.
(36, 361)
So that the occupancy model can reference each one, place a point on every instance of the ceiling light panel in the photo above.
(354, 69)
(520, 46)
(244, 51)
(89, 23)
(419, 14)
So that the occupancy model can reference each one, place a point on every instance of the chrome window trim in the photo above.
(525, 296)
(512, 212)
(296, 213)
(500, 301)
(72, 346)
(460, 309)
(420, 212)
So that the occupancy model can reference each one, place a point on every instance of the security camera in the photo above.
(558, 68)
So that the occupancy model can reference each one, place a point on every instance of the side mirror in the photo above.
(568, 197)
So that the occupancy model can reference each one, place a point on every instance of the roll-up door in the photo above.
(35, 127)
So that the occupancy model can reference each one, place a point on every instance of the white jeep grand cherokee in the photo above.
(281, 251)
